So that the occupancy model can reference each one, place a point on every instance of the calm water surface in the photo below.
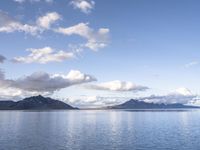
(100, 130)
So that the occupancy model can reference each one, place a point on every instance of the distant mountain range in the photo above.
(46, 103)
(34, 103)
(136, 104)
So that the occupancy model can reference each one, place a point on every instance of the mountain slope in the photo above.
(34, 103)
(135, 104)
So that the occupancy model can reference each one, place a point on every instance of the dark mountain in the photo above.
(34, 103)
(4, 105)
(135, 104)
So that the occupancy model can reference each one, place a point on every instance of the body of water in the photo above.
(100, 130)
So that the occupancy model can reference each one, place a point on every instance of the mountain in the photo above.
(34, 103)
(136, 104)
(5, 105)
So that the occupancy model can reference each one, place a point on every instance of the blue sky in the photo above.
(150, 44)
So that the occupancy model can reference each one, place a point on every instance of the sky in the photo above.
(94, 53)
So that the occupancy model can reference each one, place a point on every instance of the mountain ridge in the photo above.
(35, 103)
(136, 104)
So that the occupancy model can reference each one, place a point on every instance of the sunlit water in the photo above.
(100, 130)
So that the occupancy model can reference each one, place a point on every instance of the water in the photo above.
(100, 130)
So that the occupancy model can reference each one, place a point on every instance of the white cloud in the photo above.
(19, 1)
(83, 5)
(4, 83)
(95, 39)
(48, 19)
(193, 63)
(47, 84)
(40, 83)
(180, 95)
(15, 26)
(195, 101)
(183, 91)
(2, 59)
(94, 101)
(8, 24)
(11, 93)
(75, 76)
(6, 91)
(117, 86)
(44, 55)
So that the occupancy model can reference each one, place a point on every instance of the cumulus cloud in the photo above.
(9, 93)
(180, 95)
(40, 83)
(46, 84)
(2, 59)
(48, 19)
(4, 83)
(6, 91)
(43, 56)
(94, 101)
(8, 24)
(117, 86)
(95, 39)
(84, 6)
(76, 77)
(182, 91)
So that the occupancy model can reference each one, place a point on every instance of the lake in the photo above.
(100, 130)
